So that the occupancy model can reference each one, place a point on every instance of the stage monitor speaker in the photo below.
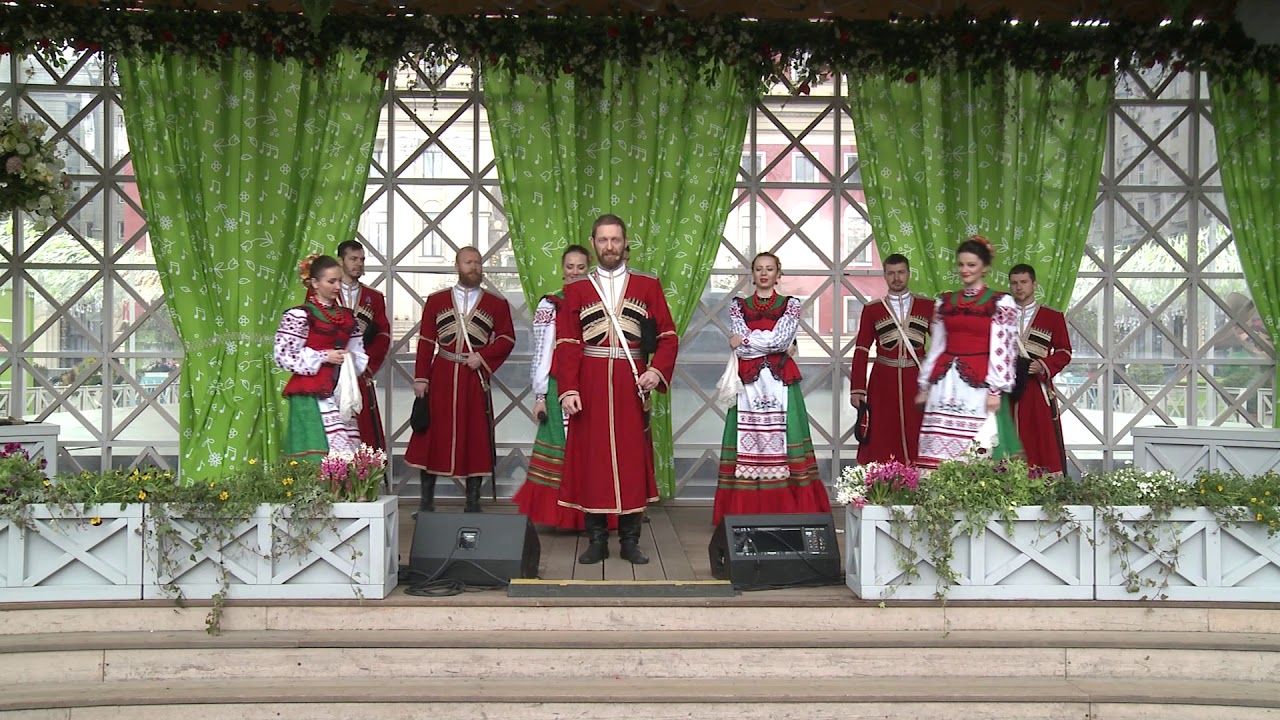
(776, 550)
(474, 548)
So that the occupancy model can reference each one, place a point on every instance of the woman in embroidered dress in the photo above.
(969, 370)
(537, 497)
(313, 341)
(767, 463)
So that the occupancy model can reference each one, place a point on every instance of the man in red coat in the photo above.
(609, 321)
(1042, 337)
(466, 335)
(370, 308)
(893, 431)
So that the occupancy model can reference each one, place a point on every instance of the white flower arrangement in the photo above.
(31, 177)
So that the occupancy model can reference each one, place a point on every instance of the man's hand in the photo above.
(335, 357)
(993, 403)
(735, 340)
(922, 398)
(857, 398)
(540, 408)
(1039, 368)
(420, 388)
(649, 380)
(474, 360)
(571, 405)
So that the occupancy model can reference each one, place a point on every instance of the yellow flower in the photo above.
(47, 483)
(1259, 517)
(211, 484)
(290, 494)
(1267, 493)
(1253, 500)
(253, 461)
(1201, 491)
(293, 463)
(223, 496)
(1219, 488)
(982, 483)
(142, 494)
(96, 521)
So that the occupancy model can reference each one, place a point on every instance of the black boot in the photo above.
(427, 503)
(598, 537)
(473, 494)
(629, 535)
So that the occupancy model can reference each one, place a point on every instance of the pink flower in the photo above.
(13, 165)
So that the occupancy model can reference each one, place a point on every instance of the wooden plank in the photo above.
(585, 572)
(649, 546)
(675, 563)
(559, 553)
(615, 568)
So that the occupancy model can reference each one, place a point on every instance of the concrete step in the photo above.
(493, 612)
(131, 657)
(653, 699)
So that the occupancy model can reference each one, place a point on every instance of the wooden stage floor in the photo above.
(675, 539)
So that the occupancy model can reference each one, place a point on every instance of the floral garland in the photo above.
(31, 177)
(760, 53)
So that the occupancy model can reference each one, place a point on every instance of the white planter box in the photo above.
(354, 556)
(1214, 562)
(64, 556)
(40, 440)
(1041, 560)
(1186, 450)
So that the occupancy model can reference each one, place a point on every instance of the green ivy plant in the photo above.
(759, 52)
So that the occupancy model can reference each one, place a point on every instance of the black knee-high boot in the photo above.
(629, 535)
(473, 494)
(597, 526)
(427, 503)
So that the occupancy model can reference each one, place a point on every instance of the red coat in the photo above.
(608, 465)
(459, 441)
(894, 432)
(1045, 339)
(371, 307)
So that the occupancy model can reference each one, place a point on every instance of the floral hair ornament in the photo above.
(304, 267)
(984, 243)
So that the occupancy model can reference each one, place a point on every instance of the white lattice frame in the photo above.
(367, 537)
(1218, 578)
(873, 565)
(110, 554)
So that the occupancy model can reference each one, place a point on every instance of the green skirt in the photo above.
(304, 437)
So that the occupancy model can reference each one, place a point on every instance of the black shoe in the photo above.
(427, 503)
(473, 495)
(629, 535)
(598, 537)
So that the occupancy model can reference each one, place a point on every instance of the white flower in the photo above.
(229, 223)
(166, 222)
(23, 149)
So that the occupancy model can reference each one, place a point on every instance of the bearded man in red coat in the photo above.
(897, 326)
(466, 335)
(610, 321)
(370, 309)
(1042, 338)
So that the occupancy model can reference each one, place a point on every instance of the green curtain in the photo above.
(658, 147)
(242, 170)
(1246, 123)
(1014, 158)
